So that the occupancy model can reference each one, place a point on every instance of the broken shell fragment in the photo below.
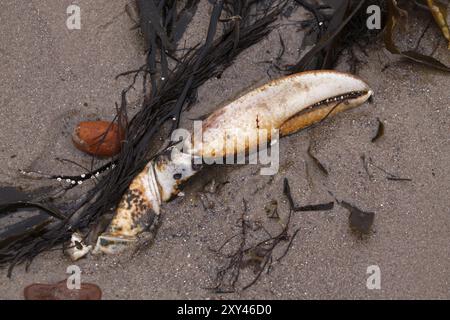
(77, 248)
(288, 104)
(98, 138)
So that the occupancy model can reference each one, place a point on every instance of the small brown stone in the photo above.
(98, 138)
(60, 291)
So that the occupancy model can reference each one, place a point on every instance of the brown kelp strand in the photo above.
(294, 207)
(315, 207)
(193, 68)
(12, 206)
(317, 162)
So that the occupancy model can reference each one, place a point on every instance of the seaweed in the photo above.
(317, 162)
(258, 256)
(359, 221)
(392, 178)
(342, 30)
(317, 207)
(389, 176)
(13, 206)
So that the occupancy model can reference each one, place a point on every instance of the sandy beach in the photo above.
(52, 78)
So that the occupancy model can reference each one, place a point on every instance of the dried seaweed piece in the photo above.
(71, 180)
(266, 248)
(398, 179)
(360, 221)
(274, 63)
(425, 60)
(390, 176)
(288, 246)
(317, 207)
(259, 256)
(227, 277)
(287, 193)
(317, 162)
(380, 131)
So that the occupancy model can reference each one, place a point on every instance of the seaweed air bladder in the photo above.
(286, 105)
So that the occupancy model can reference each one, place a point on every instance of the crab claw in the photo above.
(287, 104)
(139, 210)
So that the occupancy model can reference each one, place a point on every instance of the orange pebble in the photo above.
(89, 137)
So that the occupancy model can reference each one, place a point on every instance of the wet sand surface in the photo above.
(52, 78)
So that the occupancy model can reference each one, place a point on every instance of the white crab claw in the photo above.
(287, 104)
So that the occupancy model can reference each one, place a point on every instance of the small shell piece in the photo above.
(77, 248)
(98, 138)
